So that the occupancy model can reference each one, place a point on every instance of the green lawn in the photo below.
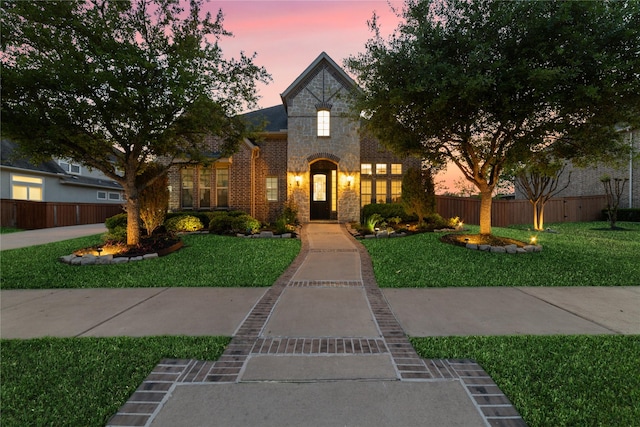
(578, 254)
(205, 260)
(6, 230)
(83, 381)
(556, 380)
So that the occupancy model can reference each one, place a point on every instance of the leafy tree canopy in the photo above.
(487, 83)
(115, 84)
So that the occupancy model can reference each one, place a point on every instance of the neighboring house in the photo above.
(309, 152)
(56, 180)
(587, 181)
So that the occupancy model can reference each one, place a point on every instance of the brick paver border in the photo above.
(147, 400)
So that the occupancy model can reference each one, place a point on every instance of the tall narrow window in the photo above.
(324, 123)
(272, 189)
(381, 191)
(26, 187)
(334, 190)
(204, 188)
(186, 188)
(365, 191)
(396, 190)
(222, 187)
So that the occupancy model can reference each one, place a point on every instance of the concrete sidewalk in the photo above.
(23, 239)
(323, 345)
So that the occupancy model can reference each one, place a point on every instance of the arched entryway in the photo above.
(324, 188)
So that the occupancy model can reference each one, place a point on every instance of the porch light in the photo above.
(297, 179)
(349, 180)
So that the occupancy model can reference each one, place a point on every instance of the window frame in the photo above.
(271, 188)
(381, 168)
(396, 168)
(323, 125)
(29, 184)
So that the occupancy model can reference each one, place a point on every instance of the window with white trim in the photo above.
(222, 187)
(102, 195)
(324, 123)
(27, 188)
(72, 168)
(272, 189)
(115, 196)
(204, 187)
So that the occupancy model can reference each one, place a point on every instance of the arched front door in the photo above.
(323, 190)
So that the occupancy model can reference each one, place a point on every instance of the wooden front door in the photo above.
(322, 190)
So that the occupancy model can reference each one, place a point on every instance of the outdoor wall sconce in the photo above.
(297, 179)
(349, 180)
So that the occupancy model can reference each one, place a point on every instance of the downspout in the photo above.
(254, 156)
(630, 168)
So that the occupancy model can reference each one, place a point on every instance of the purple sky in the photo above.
(288, 35)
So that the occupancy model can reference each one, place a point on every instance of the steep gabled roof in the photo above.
(10, 157)
(322, 62)
(274, 118)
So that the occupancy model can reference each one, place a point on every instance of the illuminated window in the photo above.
(381, 168)
(381, 191)
(365, 169)
(186, 188)
(222, 187)
(319, 188)
(396, 190)
(204, 188)
(324, 123)
(26, 188)
(365, 192)
(272, 189)
(396, 169)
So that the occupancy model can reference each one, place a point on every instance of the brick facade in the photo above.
(288, 157)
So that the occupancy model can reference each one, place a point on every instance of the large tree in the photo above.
(486, 83)
(115, 84)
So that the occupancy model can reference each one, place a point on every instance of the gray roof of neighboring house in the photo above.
(10, 157)
(274, 119)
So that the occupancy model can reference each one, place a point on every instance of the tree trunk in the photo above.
(535, 214)
(485, 211)
(133, 214)
(541, 217)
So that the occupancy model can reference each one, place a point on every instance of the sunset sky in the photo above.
(288, 35)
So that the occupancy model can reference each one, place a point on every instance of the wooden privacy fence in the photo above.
(509, 212)
(29, 215)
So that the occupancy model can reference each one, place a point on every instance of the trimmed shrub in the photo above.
(387, 211)
(203, 216)
(233, 222)
(184, 223)
(116, 221)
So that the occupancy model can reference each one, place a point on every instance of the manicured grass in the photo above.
(6, 230)
(205, 260)
(83, 381)
(556, 380)
(578, 254)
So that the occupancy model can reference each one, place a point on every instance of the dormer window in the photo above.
(69, 167)
(324, 123)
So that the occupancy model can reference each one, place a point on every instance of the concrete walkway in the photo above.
(322, 346)
(41, 236)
